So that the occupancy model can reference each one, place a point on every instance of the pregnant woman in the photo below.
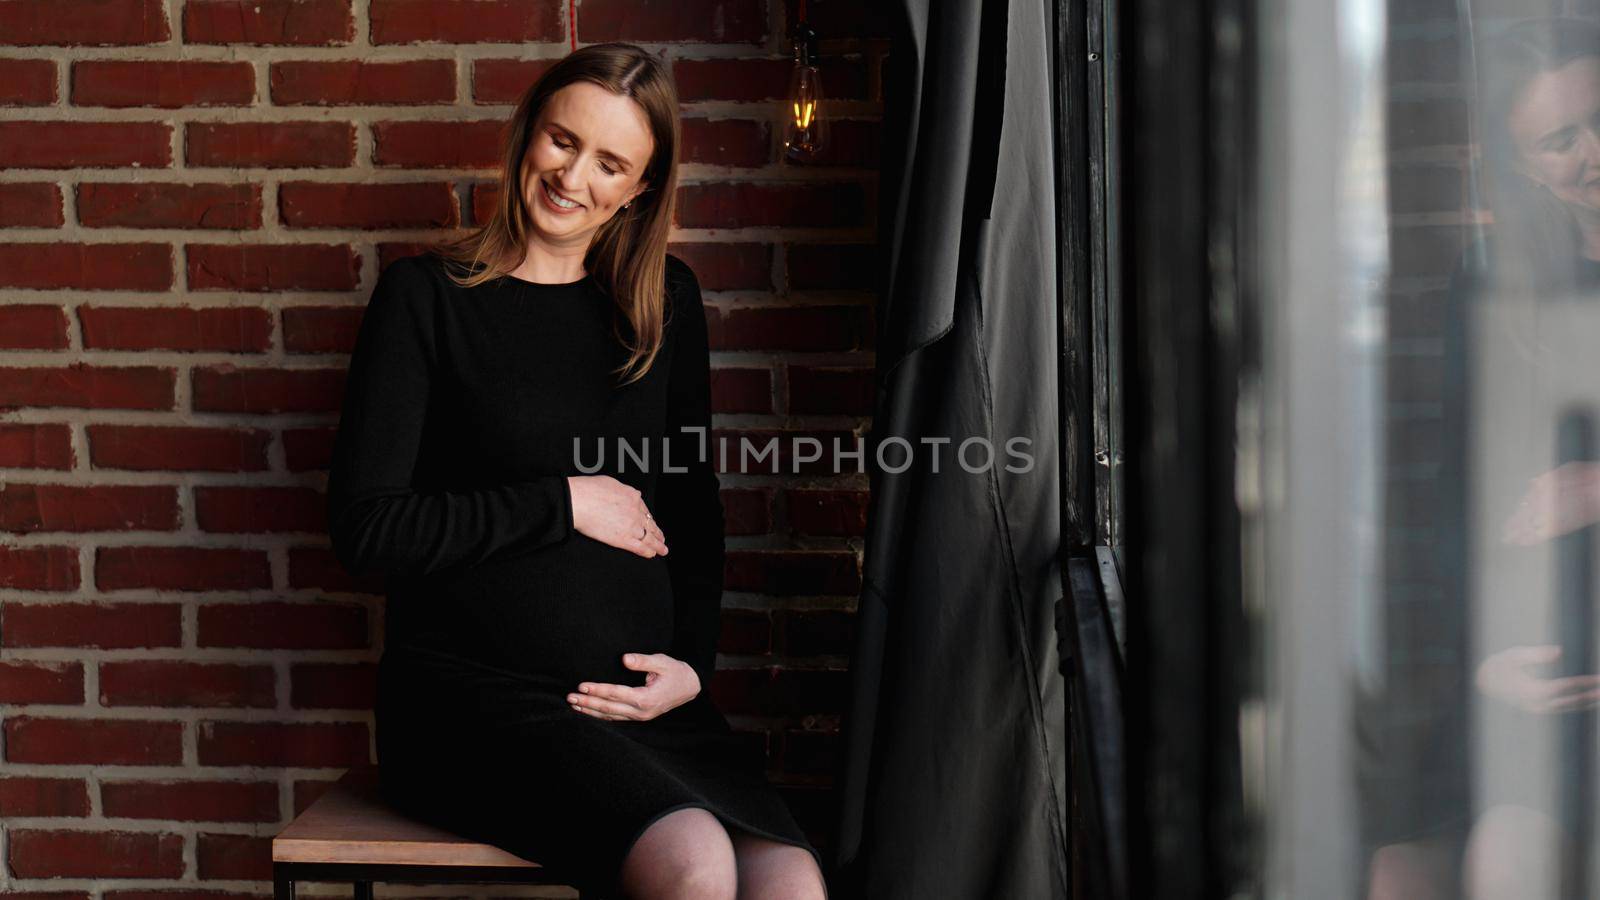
(551, 626)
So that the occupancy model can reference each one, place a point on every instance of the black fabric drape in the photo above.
(953, 783)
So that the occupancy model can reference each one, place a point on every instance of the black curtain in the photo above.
(954, 777)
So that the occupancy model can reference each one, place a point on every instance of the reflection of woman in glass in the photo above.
(1539, 135)
(1540, 140)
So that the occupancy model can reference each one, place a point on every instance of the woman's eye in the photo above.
(607, 169)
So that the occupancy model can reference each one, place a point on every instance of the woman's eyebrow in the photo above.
(603, 152)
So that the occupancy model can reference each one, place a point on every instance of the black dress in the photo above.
(465, 411)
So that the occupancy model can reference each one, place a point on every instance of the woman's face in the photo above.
(1555, 125)
(590, 147)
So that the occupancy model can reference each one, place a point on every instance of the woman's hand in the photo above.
(1557, 502)
(1506, 675)
(670, 684)
(614, 513)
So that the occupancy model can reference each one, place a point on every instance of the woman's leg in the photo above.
(684, 855)
(775, 870)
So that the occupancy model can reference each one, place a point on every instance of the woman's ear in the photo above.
(638, 189)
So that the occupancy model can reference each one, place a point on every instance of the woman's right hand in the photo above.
(614, 513)
(1507, 675)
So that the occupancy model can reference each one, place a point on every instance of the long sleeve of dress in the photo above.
(377, 520)
(689, 504)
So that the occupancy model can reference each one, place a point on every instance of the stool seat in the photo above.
(351, 824)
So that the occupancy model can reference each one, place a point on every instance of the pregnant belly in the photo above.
(569, 612)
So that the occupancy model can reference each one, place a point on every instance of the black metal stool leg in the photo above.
(363, 890)
(282, 885)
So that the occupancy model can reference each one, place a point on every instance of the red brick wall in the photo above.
(196, 197)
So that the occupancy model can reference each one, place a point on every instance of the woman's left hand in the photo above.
(1558, 502)
(669, 684)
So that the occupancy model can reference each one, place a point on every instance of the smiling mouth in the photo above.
(556, 198)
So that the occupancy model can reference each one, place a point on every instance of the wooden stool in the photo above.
(349, 834)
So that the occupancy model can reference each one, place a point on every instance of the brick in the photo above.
(333, 685)
(307, 792)
(29, 204)
(725, 266)
(240, 857)
(93, 22)
(851, 142)
(792, 572)
(304, 744)
(773, 691)
(389, 251)
(747, 510)
(299, 23)
(804, 328)
(745, 632)
(788, 205)
(505, 80)
(28, 508)
(27, 82)
(833, 266)
(86, 267)
(427, 204)
(25, 795)
(826, 512)
(45, 895)
(317, 567)
(741, 390)
(181, 568)
(178, 448)
(762, 80)
(88, 387)
(167, 84)
(270, 145)
(1426, 123)
(39, 568)
(817, 632)
(653, 21)
(173, 894)
(226, 389)
(726, 142)
(255, 510)
(423, 145)
(465, 21)
(191, 801)
(176, 683)
(33, 326)
(131, 742)
(85, 145)
(812, 752)
(323, 625)
(358, 83)
(46, 446)
(33, 682)
(35, 853)
(321, 329)
(272, 267)
(757, 451)
(308, 449)
(168, 205)
(107, 626)
(228, 329)
(839, 17)
(831, 390)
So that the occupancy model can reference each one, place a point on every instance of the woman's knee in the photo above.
(687, 854)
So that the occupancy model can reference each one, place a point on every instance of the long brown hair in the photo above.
(1537, 245)
(628, 254)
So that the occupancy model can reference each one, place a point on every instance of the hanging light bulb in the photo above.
(805, 132)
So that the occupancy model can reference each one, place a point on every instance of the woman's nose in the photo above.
(1591, 147)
